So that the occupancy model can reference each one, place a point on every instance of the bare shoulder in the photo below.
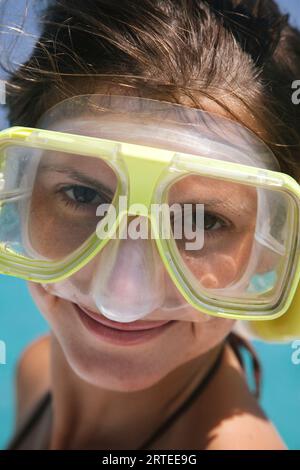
(237, 421)
(246, 432)
(32, 375)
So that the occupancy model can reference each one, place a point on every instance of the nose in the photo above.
(128, 282)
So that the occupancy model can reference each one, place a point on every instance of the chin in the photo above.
(114, 370)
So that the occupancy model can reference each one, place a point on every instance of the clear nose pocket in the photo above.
(128, 282)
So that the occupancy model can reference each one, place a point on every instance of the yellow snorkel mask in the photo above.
(159, 211)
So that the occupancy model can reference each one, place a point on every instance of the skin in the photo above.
(101, 390)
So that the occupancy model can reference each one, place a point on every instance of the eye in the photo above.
(83, 195)
(212, 222)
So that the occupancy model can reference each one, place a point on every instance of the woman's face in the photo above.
(62, 215)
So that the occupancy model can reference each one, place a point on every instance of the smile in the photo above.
(132, 333)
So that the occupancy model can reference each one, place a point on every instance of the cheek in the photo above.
(222, 263)
(208, 334)
(44, 301)
(53, 233)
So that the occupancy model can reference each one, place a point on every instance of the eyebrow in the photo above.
(76, 175)
(234, 208)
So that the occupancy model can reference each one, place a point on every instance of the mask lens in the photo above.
(50, 201)
(230, 240)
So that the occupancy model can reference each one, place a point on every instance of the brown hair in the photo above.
(169, 49)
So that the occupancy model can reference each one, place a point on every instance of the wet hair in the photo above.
(225, 51)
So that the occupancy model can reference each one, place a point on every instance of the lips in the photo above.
(119, 334)
(140, 325)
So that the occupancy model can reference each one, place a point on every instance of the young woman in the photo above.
(132, 362)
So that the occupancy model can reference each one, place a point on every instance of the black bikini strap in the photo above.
(30, 423)
(185, 405)
(238, 343)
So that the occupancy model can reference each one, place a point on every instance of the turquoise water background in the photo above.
(20, 322)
